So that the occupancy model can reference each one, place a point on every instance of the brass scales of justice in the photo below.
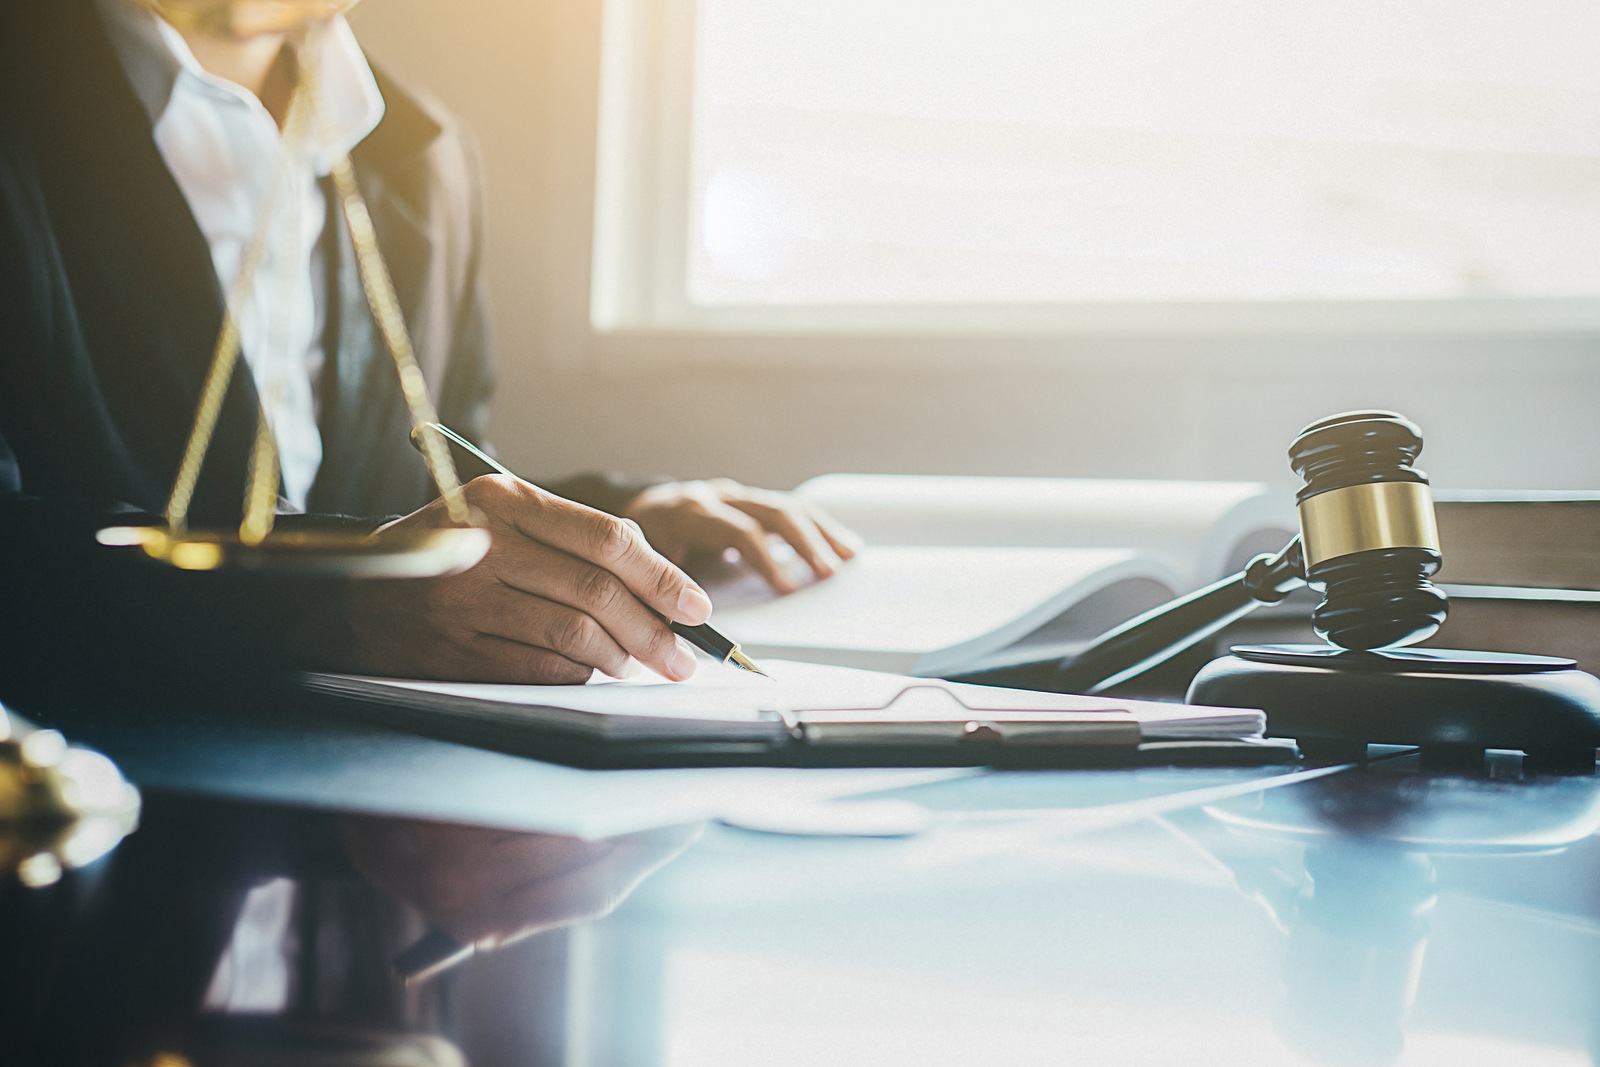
(255, 546)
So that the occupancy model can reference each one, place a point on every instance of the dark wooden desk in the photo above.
(1387, 914)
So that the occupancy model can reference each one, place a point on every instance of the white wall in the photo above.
(523, 74)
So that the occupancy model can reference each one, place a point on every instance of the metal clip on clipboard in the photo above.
(931, 715)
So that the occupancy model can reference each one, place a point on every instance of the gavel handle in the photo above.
(1161, 633)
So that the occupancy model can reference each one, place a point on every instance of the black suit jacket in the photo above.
(110, 306)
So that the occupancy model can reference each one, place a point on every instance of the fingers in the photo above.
(749, 538)
(541, 623)
(818, 539)
(841, 539)
(613, 544)
(582, 611)
(785, 519)
(499, 659)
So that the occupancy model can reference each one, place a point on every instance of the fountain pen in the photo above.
(471, 461)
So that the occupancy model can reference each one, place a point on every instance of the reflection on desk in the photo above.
(1389, 914)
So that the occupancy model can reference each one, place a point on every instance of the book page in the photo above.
(1192, 528)
(923, 610)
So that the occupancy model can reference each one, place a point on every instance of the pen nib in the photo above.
(743, 661)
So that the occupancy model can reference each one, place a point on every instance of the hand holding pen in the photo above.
(472, 462)
(564, 590)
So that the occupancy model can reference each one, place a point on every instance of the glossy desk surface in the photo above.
(1385, 914)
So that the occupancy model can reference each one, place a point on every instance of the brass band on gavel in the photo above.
(1360, 518)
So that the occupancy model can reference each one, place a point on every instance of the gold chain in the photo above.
(385, 305)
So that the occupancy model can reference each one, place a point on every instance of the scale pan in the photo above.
(310, 553)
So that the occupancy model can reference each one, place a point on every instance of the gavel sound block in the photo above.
(1335, 702)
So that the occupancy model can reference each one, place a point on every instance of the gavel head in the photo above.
(1367, 530)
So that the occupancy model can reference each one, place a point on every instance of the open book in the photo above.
(961, 574)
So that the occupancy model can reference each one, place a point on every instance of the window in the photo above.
(810, 161)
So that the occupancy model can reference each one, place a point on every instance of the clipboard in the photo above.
(931, 716)
(924, 725)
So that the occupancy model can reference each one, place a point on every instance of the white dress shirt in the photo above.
(224, 149)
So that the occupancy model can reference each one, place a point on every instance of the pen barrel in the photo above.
(706, 640)
(471, 462)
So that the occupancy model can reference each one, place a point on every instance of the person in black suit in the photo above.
(126, 182)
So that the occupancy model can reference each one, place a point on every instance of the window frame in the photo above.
(643, 217)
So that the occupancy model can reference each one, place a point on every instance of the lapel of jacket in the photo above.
(364, 420)
(146, 292)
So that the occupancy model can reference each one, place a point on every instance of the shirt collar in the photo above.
(158, 61)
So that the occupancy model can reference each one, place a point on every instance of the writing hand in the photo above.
(564, 590)
(686, 521)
